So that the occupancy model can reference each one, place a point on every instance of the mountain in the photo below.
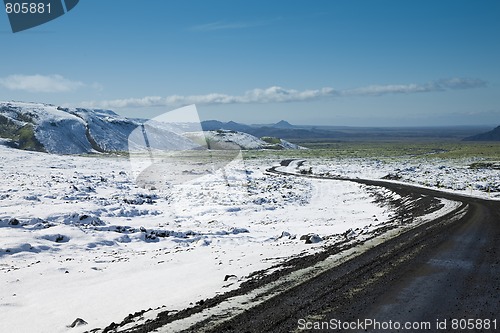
(493, 135)
(47, 128)
(214, 125)
(52, 129)
(282, 129)
(282, 124)
(231, 140)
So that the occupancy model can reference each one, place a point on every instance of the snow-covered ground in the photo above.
(455, 175)
(80, 239)
(99, 237)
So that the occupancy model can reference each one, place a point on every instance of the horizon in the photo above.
(305, 125)
(356, 63)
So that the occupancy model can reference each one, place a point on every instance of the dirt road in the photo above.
(432, 279)
(440, 276)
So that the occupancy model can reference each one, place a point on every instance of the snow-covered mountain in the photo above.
(227, 139)
(44, 127)
(52, 129)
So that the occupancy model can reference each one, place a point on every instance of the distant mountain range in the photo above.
(303, 133)
(283, 124)
(282, 129)
(493, 135)
(47, 128)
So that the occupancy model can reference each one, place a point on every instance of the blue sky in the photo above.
(361, 63)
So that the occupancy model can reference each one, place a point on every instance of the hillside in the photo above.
(228, 139)
(47, 128)
(493, 135)
(51, 129)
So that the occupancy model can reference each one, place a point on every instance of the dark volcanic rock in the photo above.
(311, 238)
(78, 322)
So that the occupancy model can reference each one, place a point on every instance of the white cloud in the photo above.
(270, 95)
(277, 94)
(388, 89)
(40, 83)
(461, 83)
(433, 86)
(282, 95)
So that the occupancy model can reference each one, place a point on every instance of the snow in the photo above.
(54, 127)
(227, 139)
(452, 175)
(83, 237)
(98, 237)
(289, 145)
(80, 239)
(78, 131)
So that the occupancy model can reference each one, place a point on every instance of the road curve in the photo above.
(427, 280)
(435, 275)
